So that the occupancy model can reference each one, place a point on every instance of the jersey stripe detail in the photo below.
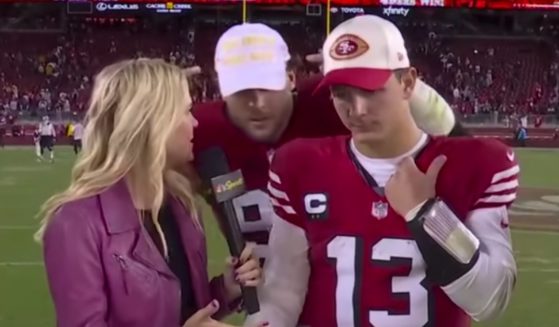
(277, 193)
(288, 209)
(279, 199)
(504, 186)
(498, 200)
(504, 174)
(502, 191)
(274, 177)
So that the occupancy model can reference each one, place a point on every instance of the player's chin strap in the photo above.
(448, 247)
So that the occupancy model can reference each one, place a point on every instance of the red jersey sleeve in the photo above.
(281, 184)
(495, 174)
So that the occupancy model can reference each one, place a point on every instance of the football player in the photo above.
(47, 136)
(77, 135)
(3, 125)
(387, 227)
(264, 107)
(37, 142)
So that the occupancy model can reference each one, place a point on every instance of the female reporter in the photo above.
(123, 245)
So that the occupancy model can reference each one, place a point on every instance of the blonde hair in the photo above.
(134, 107)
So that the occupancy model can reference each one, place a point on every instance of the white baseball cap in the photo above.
(251, 56)
(363, 52)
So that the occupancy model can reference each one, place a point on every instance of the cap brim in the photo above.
(369, 79)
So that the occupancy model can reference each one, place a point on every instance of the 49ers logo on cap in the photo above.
(348, 46)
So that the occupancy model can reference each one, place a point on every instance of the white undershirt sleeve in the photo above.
(485, 291)
(286, 275)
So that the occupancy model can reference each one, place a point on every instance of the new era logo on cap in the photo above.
(363, 52)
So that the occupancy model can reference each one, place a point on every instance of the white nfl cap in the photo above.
(251, 56)
(363, 52)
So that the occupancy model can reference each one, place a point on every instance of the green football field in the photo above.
(25, 184)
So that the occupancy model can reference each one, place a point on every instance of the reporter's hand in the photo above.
(203, 318)
(244, 271)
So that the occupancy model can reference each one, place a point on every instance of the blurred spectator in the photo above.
(538, 121)
(521, 136)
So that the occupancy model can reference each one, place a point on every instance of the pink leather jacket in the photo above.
(104, 270)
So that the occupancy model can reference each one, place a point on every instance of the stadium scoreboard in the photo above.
(102, 7)
(182, 6)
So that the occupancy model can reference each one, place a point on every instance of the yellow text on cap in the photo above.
(251, 40)
(243, 58)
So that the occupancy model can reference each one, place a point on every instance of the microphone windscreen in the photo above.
(212, 162)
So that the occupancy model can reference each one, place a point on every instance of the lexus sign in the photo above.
(102, 6)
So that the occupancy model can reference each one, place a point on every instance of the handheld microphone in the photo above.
(214, 169)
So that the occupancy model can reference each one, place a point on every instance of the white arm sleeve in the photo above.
(430, 110)
(286, 275)
(484, 292)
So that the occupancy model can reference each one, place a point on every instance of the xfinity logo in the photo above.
(395, 11)
(101, 6)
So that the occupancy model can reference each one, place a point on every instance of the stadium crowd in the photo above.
(51, 73)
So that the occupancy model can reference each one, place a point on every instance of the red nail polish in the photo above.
(266, 324)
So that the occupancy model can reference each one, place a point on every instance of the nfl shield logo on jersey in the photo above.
(380, 209)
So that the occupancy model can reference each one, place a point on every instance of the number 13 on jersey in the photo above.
(347, 252)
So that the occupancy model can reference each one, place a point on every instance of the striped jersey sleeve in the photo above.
(281, 196)
(502, 182)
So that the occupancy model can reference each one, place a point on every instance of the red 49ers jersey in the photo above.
(366, 268)
(254, 208)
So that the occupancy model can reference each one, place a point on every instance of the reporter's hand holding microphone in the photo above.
(245, 271)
